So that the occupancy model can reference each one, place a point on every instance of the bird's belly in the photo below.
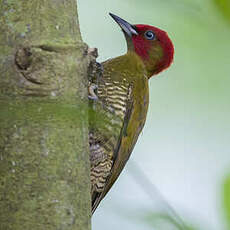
(104, 138)
(115, 137)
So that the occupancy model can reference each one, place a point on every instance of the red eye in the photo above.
(150, 35)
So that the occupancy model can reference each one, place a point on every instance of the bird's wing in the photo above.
(119, 157)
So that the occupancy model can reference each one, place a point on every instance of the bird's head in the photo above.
(150, 43)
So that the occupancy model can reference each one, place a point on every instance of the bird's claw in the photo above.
(100, 67)
(91, 90)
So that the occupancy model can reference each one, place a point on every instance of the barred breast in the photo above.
(112, 98)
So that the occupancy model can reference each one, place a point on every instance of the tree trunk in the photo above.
(44, 158)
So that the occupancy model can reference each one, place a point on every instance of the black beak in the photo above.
(125, 26)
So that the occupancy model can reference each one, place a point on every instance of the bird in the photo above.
(121, 95)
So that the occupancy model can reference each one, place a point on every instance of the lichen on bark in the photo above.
(44, 159)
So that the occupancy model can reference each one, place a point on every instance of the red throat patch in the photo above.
(141, 47)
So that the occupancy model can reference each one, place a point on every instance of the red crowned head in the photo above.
(150, 43)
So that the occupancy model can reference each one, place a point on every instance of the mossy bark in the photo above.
(44, 159)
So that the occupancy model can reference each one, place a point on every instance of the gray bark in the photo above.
(44, 156)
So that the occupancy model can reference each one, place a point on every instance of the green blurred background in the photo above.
(184, 147)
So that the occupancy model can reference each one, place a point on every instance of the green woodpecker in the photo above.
(123, 96)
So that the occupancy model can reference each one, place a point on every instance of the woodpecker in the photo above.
(122, 95)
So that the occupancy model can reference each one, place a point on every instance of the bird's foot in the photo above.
(100, 68)
(91, 91)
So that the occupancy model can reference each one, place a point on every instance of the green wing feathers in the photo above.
(120, 104)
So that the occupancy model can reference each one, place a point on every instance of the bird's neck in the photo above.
(134, 64)
(130, 65)
(152, 62)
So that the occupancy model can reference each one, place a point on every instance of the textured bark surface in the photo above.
(44, 160)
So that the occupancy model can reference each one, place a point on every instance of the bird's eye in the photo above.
(149, 35)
